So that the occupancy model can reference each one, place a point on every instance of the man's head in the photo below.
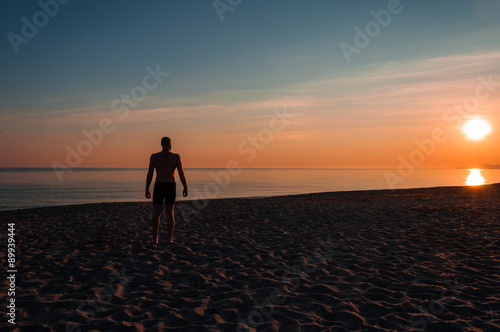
(166, 143)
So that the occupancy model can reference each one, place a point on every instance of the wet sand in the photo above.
(405, 260)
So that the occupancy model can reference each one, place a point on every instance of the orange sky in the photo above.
(369, 121)
(78, 95)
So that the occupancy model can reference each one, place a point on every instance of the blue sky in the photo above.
(226, 76)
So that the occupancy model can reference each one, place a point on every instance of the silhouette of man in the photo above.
(165, 163)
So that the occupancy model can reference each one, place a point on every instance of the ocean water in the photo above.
(26, 188)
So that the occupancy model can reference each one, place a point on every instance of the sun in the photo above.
(476, 129)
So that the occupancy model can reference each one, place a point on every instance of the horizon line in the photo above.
(20, 168)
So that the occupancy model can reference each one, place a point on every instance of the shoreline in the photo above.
(409, 259)
(180, 201)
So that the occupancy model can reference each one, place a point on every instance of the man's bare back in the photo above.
(165, 163)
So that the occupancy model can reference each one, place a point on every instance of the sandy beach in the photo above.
(405, 260)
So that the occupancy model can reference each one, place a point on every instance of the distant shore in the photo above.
(408, 259)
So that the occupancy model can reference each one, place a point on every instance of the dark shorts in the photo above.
(164, 192)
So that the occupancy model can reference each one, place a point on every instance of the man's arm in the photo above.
(182, 177)
(149, 177)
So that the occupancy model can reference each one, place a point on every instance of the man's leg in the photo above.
(155, 225)
(169, 211)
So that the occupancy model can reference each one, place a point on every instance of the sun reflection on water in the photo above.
(475, 178)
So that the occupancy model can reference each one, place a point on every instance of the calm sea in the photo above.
(24, 188)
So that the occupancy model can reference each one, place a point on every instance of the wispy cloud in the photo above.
(404, 92)
(52, 113)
